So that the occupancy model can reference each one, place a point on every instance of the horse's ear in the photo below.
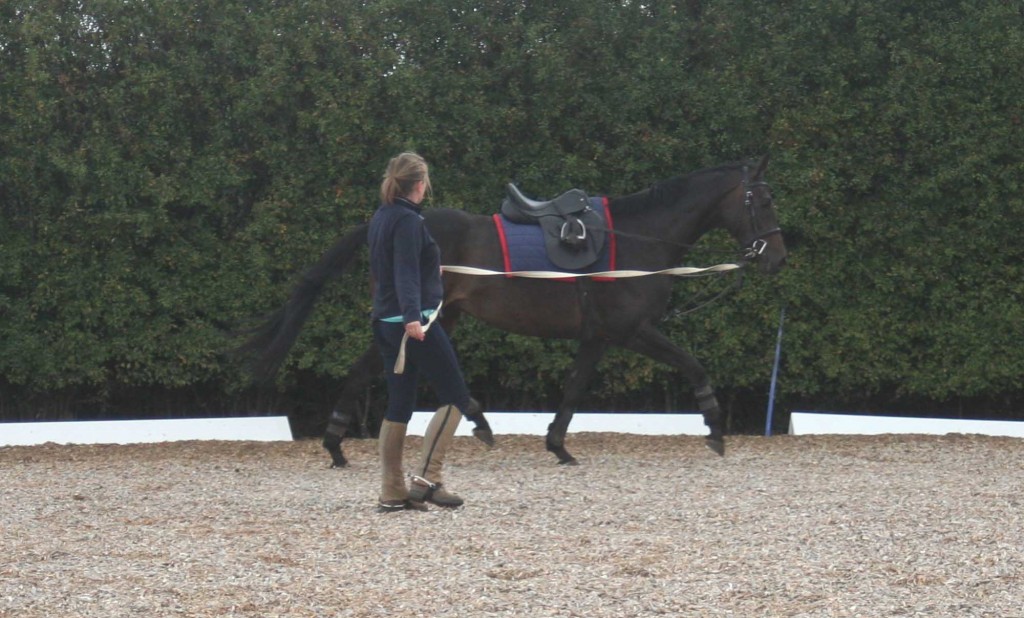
(762, 165)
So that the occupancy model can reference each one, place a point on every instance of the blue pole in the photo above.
(775, 375)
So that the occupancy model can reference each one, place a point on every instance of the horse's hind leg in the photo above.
(651, 343)
(590, 352)
(366, 367)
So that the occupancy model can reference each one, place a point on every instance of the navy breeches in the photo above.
(433, 358)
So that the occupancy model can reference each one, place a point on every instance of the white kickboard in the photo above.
(259, 429)
(807, 423)
(536, 423)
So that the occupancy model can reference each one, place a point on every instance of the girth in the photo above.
(574, 233)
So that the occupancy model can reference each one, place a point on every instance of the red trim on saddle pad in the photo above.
(503, 241)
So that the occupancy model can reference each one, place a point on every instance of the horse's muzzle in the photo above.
(773, 257)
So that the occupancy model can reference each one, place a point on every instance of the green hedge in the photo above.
(166, 168)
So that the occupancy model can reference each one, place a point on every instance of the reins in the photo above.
(655, 239)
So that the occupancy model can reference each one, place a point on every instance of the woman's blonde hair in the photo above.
(401, 176)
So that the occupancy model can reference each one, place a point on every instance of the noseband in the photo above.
(756, 244)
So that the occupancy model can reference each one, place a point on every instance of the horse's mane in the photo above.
(665, 193)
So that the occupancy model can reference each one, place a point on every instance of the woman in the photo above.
(405, 264)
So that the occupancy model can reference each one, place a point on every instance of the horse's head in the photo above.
(749, 215)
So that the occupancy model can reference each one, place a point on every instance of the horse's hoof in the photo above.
(337, 458)
(484, 435)
(564, 458)
(716, 444)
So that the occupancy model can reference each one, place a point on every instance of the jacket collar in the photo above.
(401, 201)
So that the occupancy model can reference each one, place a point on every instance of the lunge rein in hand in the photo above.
(400, 361)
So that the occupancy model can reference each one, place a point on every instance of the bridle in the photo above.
(756, 244)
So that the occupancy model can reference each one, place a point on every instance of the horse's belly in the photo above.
(533, 308)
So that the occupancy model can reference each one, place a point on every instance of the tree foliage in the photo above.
(166, 168)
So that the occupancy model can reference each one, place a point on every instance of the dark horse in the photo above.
(655, 228)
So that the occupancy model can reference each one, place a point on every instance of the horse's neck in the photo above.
(677, 213)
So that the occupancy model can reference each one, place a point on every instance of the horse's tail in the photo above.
(272, 340)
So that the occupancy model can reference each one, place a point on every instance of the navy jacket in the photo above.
(405, 263)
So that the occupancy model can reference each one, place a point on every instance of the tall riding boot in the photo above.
(394, 496)
(427, 487)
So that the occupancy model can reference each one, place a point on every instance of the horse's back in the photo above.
(465, 239)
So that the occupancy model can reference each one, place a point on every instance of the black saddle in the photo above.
(574, 233)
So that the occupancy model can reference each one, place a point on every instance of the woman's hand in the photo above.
(415, 331)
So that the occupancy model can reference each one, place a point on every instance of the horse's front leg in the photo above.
(360, 374)
(482, 429)
(590, 352)
(651, 343)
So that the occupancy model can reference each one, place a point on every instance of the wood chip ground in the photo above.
(646, 526)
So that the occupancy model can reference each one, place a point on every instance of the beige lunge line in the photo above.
(681, 271)
(400, 361)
